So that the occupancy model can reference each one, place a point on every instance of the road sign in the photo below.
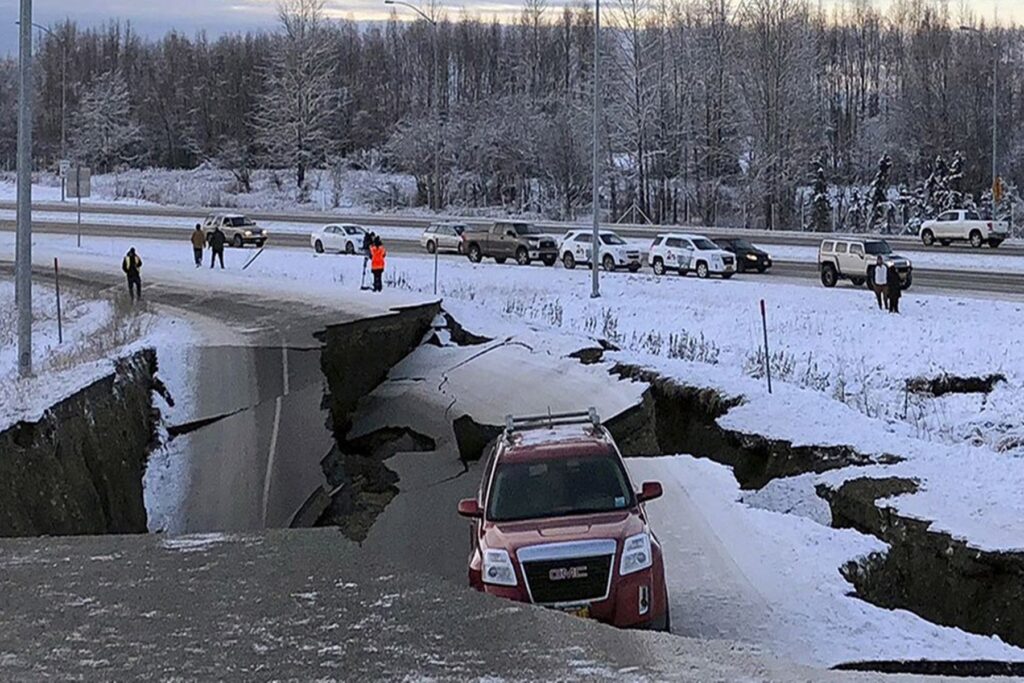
(65, 168)
(80, 182)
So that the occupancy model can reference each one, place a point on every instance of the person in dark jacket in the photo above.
(132, 265)
(377, 254)
(198, 244)
(895, 290)
(217, 242)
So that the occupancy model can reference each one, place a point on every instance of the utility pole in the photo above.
(595, 241)
(436, 190)
(23, 250)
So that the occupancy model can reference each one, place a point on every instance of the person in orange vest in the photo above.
(377, 254)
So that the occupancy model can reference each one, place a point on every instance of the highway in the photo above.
(189, 216)
(976, 282)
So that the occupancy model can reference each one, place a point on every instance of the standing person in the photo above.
(198, 243)
(880, 284)
(217, 242)
(377, 254)
(368, 238)
(132, 265)
(895, 290)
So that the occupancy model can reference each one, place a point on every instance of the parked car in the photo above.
(557, 522)
(345, 237)
(748, 257)
(510, 239)
(963, 226)
(238, 229)
(614, 252)
(855, 260)
(690, 253)
(443, 237)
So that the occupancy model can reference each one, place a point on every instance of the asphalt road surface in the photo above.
(975, 282)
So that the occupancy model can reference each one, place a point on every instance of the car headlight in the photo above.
(751, 257)
(636, 554)
(498, 568)
(248, 233)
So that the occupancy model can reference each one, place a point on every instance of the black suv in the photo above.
(748, 257)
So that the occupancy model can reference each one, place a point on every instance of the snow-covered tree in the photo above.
(294, 114)
(821, 207)
(881, 207)
(104, 133)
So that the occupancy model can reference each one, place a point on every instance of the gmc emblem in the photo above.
(567, 573)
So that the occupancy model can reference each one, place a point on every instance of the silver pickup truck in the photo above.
(962, 225)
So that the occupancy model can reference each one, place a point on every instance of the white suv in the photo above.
(855, 260)
(685, 253)
(614, 251)
(239, 230)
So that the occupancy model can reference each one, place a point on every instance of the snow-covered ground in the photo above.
(840, 369)
(96, 332)
(205, 186)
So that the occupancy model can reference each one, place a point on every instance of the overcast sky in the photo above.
(155, 17)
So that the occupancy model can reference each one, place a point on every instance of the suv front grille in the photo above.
(727, 260)
(547, 244)
(577, 579)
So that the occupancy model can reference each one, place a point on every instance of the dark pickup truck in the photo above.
(511, 239)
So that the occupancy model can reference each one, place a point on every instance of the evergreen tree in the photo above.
(881, 207)
(821, 207)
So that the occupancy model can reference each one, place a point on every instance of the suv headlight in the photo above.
(498, 568)
(636, 554)
(248, 233)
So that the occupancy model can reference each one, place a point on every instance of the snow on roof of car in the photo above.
(557, 441)
(683, 235)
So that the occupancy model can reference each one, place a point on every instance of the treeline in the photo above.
(720, 111)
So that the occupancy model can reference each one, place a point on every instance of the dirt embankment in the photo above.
(78, 470)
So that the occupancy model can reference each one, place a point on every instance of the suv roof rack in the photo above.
(512, 423)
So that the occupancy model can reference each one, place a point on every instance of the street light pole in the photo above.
(595, 238)
(23, 250)
(436, 190)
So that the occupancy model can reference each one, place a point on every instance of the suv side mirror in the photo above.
(649, 491)
(468, 507)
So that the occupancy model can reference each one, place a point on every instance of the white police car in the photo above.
(614, 252)
(691, 253)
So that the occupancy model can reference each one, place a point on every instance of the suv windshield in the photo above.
(704, 244)
(237, 222)
(552, 488)
(880, 248)
(612, 239)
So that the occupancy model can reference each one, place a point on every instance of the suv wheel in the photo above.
(858, 281)
(994, 243)
(500, 259)
(945, 243)
(237, 242)
(976, 239)
(829, 276)
(702, 270)
(318, 247)
(928, 237)
(474, 253)
(658, 266)
(431, 247)
(568, 260)
(549, 261)
(608, 263)
(522, 257)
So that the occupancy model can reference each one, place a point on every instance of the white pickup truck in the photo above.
(964, 226)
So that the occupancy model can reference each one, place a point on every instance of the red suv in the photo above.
(558, 523)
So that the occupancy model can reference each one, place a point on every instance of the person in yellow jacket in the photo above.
(377, 254)
(198, 244)
(132, 267)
